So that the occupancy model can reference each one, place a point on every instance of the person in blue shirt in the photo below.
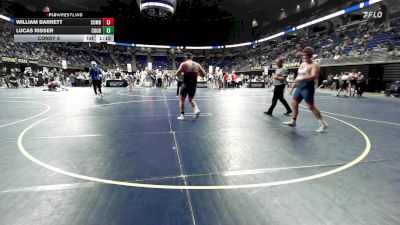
(95, 74)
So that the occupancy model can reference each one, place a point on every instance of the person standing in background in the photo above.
(279, 82)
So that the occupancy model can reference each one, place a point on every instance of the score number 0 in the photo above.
(108, 21)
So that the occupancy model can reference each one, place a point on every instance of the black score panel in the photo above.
(202, 84)
(64, 27)
(257, 85)
(116, 83)
(59, 30)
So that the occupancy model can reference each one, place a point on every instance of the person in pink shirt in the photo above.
(226, 77)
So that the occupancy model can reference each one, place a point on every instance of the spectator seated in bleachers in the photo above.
(367, 42)
(13, 80)
(394, 89)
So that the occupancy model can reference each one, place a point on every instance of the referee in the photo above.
(95, 73)
(279, 81)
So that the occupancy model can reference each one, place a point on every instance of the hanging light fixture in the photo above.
(157, 8)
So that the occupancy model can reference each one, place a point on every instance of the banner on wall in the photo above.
(17, 60)
(288, 65)
(255, 68)
(64, 64)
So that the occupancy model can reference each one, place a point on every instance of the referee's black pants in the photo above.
(278, 95)
(97, 85)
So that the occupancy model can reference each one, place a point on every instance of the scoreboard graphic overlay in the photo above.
(64, 27)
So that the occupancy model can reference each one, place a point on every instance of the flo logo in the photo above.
(374, 15)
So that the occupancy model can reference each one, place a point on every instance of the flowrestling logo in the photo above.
(373, 15)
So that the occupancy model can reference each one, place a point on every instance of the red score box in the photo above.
(108, 21)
